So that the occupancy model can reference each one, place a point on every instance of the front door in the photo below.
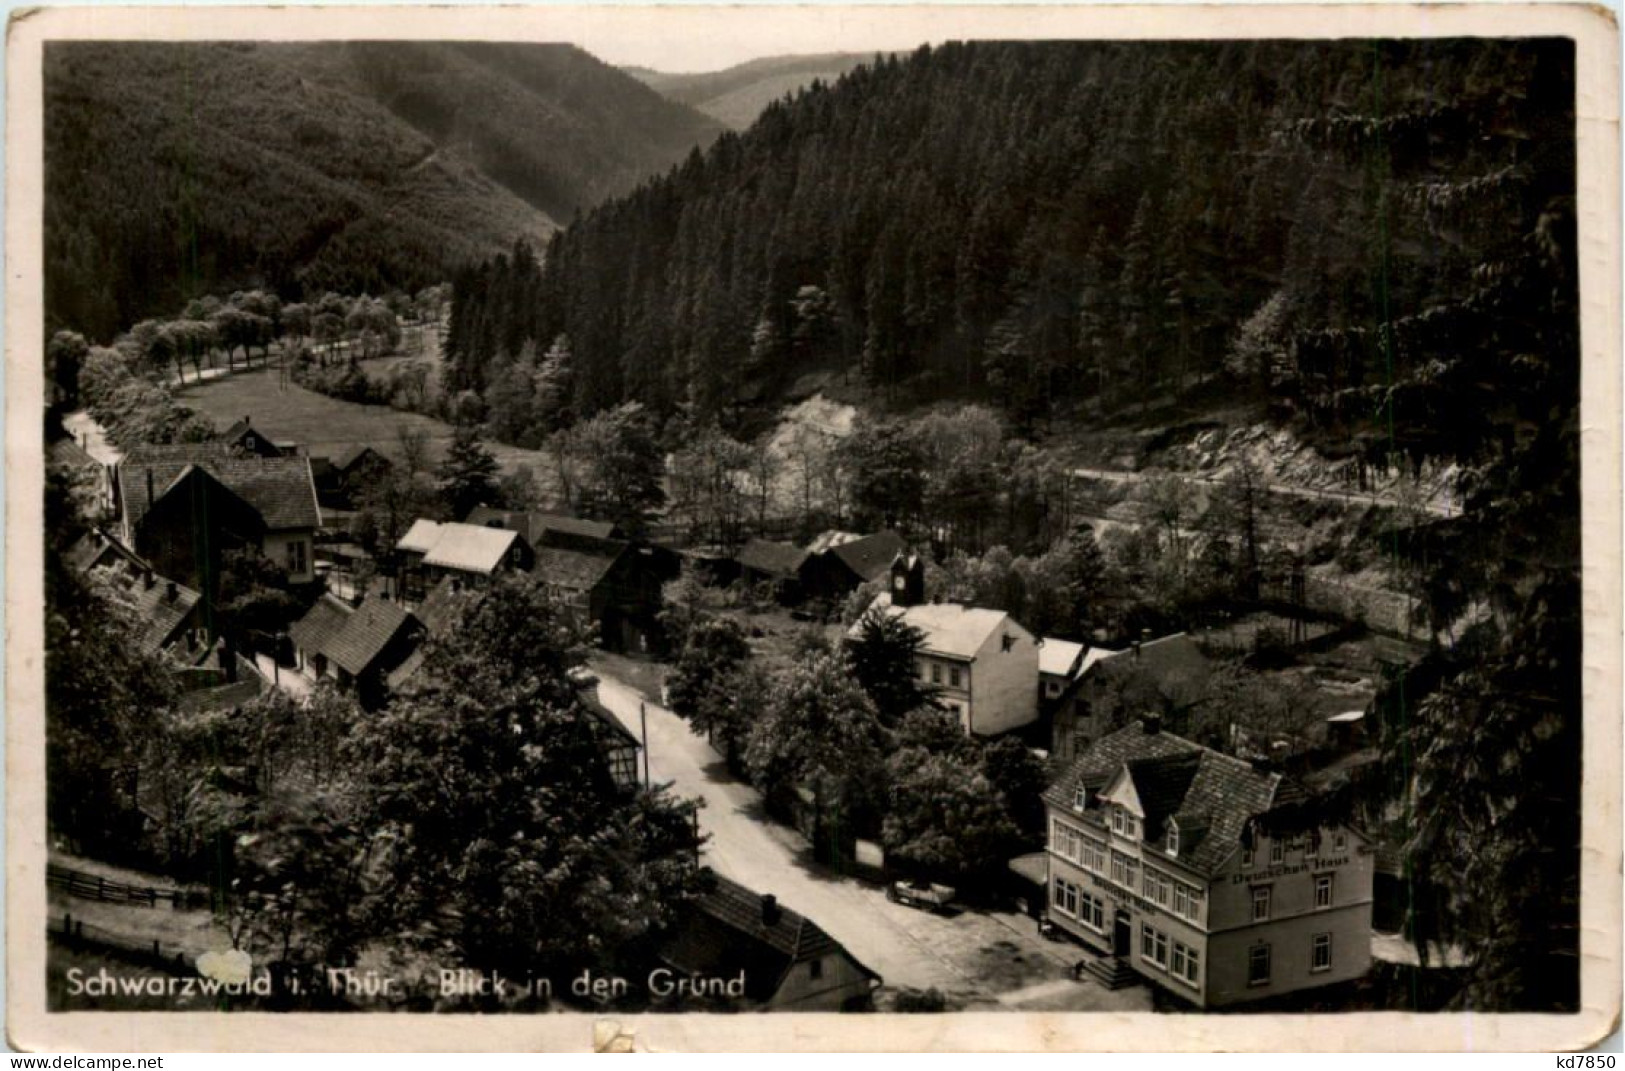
(1121, 932)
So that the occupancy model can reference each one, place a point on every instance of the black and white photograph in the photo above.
(848, 516)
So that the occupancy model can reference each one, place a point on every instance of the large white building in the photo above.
(983, 664)
(1203, 874)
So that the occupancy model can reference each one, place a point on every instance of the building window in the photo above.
(1092, 913)
(296, 556)
(1158, 886)
(953, 676)
(1066, 897)
(1277, 851)
(921, 668)
(1340, 841)
(1320, 952)
(1258, 965)
(1323, 890)
(1094, 856)
(1247, 857)
(1080, 798)
(1052, 689)
(1009, 642)
(936, 673)
(1154, 946)
(1125, 871)
(815, 969)
(1187, 963)
(1119, 817)
(1261, 903)
(1170, 842)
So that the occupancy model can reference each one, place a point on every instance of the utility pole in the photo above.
(643, 723)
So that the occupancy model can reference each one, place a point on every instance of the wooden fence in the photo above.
(76, 933)
(94, 887)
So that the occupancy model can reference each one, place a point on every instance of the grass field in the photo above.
(327, 426)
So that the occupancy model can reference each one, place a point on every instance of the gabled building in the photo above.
(610, 585)
(476, 553)
(535, 526)
(1058, 662)
(983, 664)
(340, 479)
(1202, 874)
(776, 565)
(837, 564)
(243, 437)
(787, 962)
(620, 746)
(1091, 703)
(357, 647)
(182, 506)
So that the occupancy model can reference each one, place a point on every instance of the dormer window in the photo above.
(1170, 843)
(1119, 820)
(1080, 798)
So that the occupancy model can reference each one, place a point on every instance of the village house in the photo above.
(183, 506)
(474, 553)
(776, 566)
(620, 746)
(535, 525)
(244, 437)
(355, 646)
(838, 563)
(341, 479)
(1202, 873)
(787, 962)
(165, 614)
(1172, 670)
(983, 664)
(609, 585)
(1058, 662)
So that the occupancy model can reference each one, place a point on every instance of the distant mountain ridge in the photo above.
(736, 95)
(174, 169)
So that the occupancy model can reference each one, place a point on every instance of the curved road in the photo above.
(989, 958)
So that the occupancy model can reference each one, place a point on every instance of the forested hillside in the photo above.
(1046, 224)
(737, 95)
(174, 170)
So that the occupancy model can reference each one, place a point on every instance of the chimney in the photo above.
(169, 591)
(146, 579)
(1152, 723)
(770, 909)
(149, 488)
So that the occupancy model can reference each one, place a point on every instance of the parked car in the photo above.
(925, 895)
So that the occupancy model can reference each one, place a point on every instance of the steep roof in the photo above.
(534, 526)
(830, 539)
(159, 607)
(577, 570)
(96, 548)
(420, 538)
(724, 931)
(1165, 658)
(366, 633)
(324, 620)
(774, 559)
(1212, 793)
(281, 489)
(950, 629)
(347, 459)
(871, 556)
(469, 548)
(1059, 658)
(588, 694)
